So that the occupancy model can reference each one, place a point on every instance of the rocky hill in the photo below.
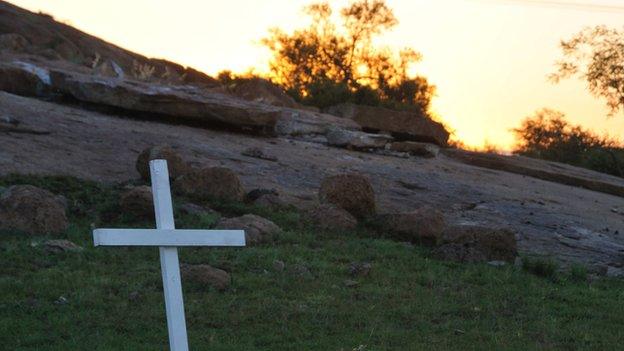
(72, 104)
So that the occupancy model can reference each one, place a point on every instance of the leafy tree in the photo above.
(324, 64)
(547, 135)
(597, 56)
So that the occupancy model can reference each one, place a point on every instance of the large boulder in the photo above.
(330, 217)
(206, 275)
(356, 140)
(402, 124)
(32, 210)
(138, 202)
(216, 183)
(257, 229)
(423, 226)
(351, 192)
(175, 164)
(477, 243)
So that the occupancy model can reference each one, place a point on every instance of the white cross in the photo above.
(168, 239)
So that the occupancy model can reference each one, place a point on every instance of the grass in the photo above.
(113, 296)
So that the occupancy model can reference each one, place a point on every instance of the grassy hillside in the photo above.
(112, 297)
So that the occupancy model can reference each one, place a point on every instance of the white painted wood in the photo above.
(169, 264)
(168, 237)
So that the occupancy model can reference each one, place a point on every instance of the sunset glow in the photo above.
(489, 59)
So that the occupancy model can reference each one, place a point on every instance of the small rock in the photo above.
(415, 148)
(62, 300)
(279, 266)
(257, 152)
(176, 165)
(196, 210)
(257, 229)
(356, 140)
(211, 183)
(138, 202)
(32, 210)
(351, 283)
(58, 246)
(206, 275)
(134, 296)
(497, 263)
(352, 192)
(330, 217)
(357, 269)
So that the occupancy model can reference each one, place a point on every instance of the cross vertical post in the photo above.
(169, 265)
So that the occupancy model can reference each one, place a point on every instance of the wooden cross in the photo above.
(168, 239)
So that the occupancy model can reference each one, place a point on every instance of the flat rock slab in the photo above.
(569, 223)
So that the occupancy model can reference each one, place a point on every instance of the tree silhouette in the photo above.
(597, 56)
(324, 64)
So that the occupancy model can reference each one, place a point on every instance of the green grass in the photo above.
(408, 302)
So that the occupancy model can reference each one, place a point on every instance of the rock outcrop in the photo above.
(257, 229)
(217, 183)
(356, 140)
(352, 192)
(32, 210)
(403, 125)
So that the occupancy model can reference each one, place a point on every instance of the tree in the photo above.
(323, 64)
(547, 135)
(597, 56)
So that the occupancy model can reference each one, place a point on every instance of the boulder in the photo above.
(257, 229)
(24, 79)
(206, 275)
(32, 210)
(260, 90)
(475, 243)
(356, 140)
(270, 201)
(423, 226)
(352, 192)
(196, 210)
(175, 164)
(330, 217)
(405, 125)
(216, 183)
(138, 201)
(415, 148)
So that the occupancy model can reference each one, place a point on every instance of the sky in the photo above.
(488, 58)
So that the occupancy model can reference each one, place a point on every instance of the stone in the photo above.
(216, 183)
(404, 125)
(257, 229)
(424, 226)
(279, 265)
(349, 283)
(176, 165)
(13, 42)
(206, 275)
(476, 243)
(330, 217)
(360, 269)
(32, 210)
(416, 149)
(137, 201)
(58, 246)
(270, 201)
(260, 90)
(356, 140)
(196, 210)
(352, 192)
(257, 152)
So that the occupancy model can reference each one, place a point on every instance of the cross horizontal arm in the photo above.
(168, 237)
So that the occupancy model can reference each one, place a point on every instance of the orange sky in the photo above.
(489, 58)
